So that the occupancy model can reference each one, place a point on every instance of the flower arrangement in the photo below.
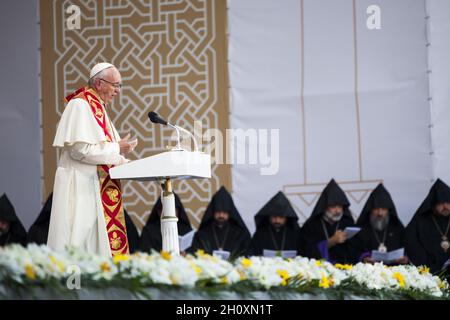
(41, 266)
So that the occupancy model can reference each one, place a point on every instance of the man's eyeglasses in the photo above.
(115, 85)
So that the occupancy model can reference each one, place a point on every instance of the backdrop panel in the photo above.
(350, 102)
(438, 13)
(20, 132)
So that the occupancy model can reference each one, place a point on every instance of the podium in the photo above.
(164, 167)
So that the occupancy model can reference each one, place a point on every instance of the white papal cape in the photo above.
(77, 216)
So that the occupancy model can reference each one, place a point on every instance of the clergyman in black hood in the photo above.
(276, 227)
(323, 233)
(427, 235)
(381, 228)
(11, 229)
(151, 237)
(222, 228)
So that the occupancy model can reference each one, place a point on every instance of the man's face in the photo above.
(221, 217)
(379, 218)
(109, 85)
(379, 213)
(278, 221)
(336, 210)
(442, 209)
(4, 227)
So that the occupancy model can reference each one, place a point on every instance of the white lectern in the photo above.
(174, 164)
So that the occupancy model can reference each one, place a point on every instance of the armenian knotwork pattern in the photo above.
(166, 54)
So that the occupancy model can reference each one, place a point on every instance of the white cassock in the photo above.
(77, 217)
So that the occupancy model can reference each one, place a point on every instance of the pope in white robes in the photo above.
(87, 207)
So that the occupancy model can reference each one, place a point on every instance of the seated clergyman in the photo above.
(381, 229)
(11, 229)
(151, 238)
(276, 228)
(323, 233)
(427, 235)
(222, 228)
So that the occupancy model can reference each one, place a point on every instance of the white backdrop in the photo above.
(20, 133)
(439, 66)
(351, 103)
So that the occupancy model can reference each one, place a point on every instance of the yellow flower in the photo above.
(166, 255)
(324, 282)
(318, 263)
(29, 272)
(424, 270)
(196, 268)
(120, 257)
(224, 280)
(200, 252)
(241, 275)
(246, 262)
(105, 267)
(283, 273)
(401, 280)
(57, 263)
(343, 266)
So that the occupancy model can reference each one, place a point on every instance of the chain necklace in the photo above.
(283, 240)
(325, 228)
(445, 244)
(382, 247)
(216, 239)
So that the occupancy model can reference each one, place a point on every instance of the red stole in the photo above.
(110, 190)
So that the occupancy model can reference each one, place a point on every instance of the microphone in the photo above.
(155, 118)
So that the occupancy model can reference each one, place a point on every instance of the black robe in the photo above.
(16, 232)
(233, 237)
(151, 238)
(38, 232)
(314, 237)
(266, 237)
(422, 237)
(365, 241)
(230, 238)
(132, 233)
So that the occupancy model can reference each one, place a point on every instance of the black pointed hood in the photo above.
(222, 201)
(379, 198)
(154, 217)
(439, 192)
(279, 205)
(38, 232)
(7, 213)
(44, 215)
(332, 195)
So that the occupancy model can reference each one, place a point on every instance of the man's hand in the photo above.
(126, 146)
(338, 238)
(402, 260)
(369, 260)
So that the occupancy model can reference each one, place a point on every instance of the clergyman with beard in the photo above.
(427, 235)
(276, 228)
(222, 228)
(323, 233)
(381, 229)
